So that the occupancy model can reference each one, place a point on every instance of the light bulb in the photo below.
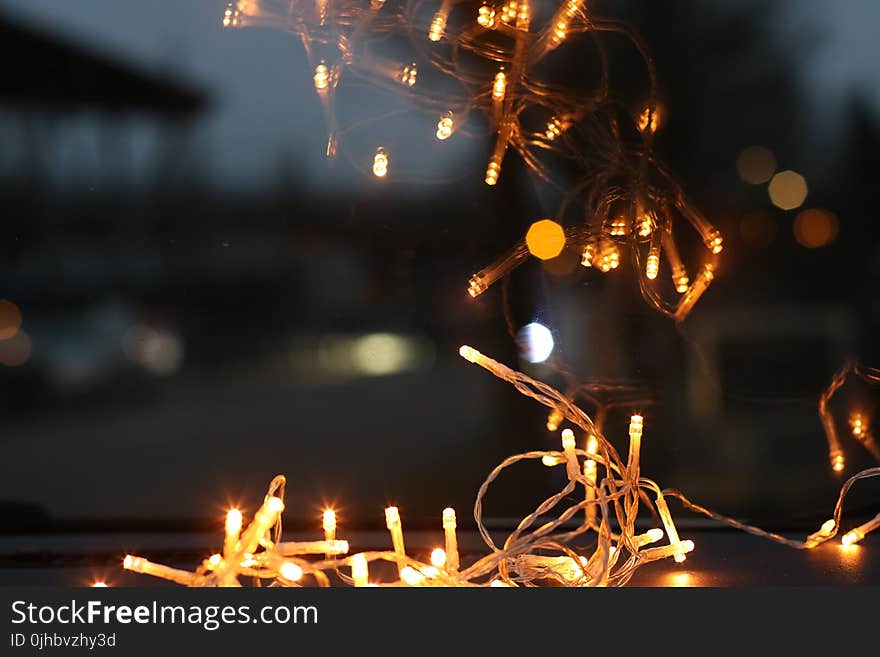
(409, 74)
(438, 25)
(290, 571)
(492, 172)
(359, 570)
(322, 77)
(500, 85)
(438, 557)
(445, 126)
(451, 538)
(486, 16)
(411, 576)
(380, 163)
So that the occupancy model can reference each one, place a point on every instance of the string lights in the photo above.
(546, 546)
(591, 532)
(485, 65)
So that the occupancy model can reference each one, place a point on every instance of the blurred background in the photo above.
(194, 299)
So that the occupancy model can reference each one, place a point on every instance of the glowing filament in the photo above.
(451, 539)
(853, 536)
(322, 77)
(445, 126)
(409, 74)
(499, 86)
(380, 163)
(359, 570)
(589, 255)
(486, 17)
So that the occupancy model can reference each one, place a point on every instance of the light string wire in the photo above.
(584, 535)
(484, 70)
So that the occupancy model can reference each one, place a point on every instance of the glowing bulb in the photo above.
(322, 77)
(651, 536)
(380, 163)
(451, 539)
(444, 126)
(588, 255)
(493, 171)
(825, 531)
(858, 426)
(568, 441)
(214, 560)
(554, 129)
(857, 534)
(359, 570)
(469, 353)
(500, 85)
(619, 227)
(329, 521)
(438, 557)
(592, 445)
(652, 267)
(838, 463)
(395, 527)
(290, 571)
(129, 562)
(438, 26)
(535, 342)
(99, 585)
(409, 74)
(411, 576)
(231, 15)
(275, 505)
(552, 461)
(486, 17)
(554, 419)
(233, 521)
(649, 119)
(714, 241)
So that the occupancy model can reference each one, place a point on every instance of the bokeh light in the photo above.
(535, 342)
(545, 239)
(756, 165)
(758, 228)
(10, 319)
(16, 350)
(815, 228)
(788, 190)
